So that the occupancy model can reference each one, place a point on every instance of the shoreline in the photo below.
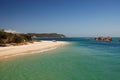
(31, 48)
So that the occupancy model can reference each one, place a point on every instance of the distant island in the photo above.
(47, 35)
(100, 38)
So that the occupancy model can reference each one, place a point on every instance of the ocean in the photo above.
(82, 59)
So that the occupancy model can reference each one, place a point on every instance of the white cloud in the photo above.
(10, 31)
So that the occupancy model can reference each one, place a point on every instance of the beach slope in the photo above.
(30, 48)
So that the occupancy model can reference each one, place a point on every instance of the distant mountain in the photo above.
(47, 35)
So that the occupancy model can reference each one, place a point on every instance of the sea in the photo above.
(82, 59)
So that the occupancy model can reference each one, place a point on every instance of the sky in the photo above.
(74, 18)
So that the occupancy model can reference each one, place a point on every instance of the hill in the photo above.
(47, 35)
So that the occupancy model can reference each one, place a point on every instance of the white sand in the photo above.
(31, 48)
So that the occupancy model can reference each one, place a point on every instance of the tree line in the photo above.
(47, 35)
(6, 38)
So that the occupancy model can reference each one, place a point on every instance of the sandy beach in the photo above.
(30, 48)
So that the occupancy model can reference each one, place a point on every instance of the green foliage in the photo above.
(3, 37)
(13, 38)
(18, 39)
(26, 37)
(48, 35)
(1, 30)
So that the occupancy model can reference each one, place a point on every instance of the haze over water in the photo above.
(80, 60)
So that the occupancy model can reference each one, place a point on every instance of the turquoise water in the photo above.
(80, 60)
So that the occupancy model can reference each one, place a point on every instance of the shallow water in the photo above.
(80, 60)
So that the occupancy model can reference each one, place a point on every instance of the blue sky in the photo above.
(69, 17)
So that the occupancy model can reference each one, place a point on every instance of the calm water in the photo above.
(81, 60)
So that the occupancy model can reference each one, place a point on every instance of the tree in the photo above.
(18, 39)
(3, 37)
(13, 38)
(1, 30)
(26, 37)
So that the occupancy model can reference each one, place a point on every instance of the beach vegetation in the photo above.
(10, 38)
